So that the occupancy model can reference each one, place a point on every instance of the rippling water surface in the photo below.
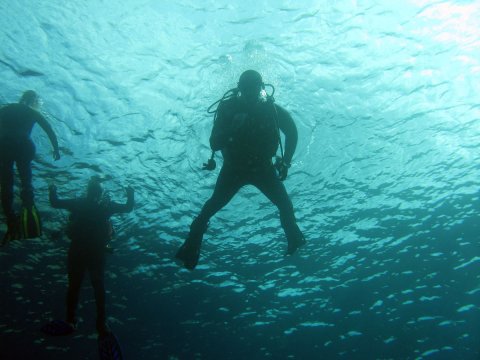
(386, 98)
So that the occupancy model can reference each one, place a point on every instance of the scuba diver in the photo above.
(16, 147)
(89, 229)
(247, 125)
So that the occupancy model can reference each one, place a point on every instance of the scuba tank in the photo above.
(263, 97)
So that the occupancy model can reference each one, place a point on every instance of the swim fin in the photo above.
(188, 255)
(294, 244)
(109, 347)
(13, 230)
(30, 222)
(189, 252)
(58, 328)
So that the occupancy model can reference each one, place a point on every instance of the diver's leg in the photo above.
(228, 183)
(97, 278)
(24, 167)
(76, 270)
(25, 173)
(269, 184)
(6, 185)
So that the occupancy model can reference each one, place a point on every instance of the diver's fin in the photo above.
(109, 347)
(30, 222)
(5, 240)
(189, 253)
(13, 230)
(58, 328)
(295, 244)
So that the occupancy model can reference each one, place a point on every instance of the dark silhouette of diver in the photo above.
(89, 230)
(16, 147)
(247, 129)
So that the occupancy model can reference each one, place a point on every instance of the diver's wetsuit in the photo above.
(89, 231)
(248, 138)
(16, 123)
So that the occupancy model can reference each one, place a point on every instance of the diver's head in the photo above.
(250, 85)
(30, 98)
(94, 189)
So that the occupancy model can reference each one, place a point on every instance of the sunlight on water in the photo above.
(384, 181)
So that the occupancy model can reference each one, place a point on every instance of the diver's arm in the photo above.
(2, 107)
(51, 135)
(115, 208)
(219, 137)
(288, 127)
(57, 203)
(3, 131)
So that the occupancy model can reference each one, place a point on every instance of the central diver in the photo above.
(246, 130)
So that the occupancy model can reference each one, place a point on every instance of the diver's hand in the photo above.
(52, 189)
(209, 165)
(282, 167)
(56, 154)
(130, 198)
(130, 192)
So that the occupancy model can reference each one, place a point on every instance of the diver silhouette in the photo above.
(16, 147)
(246, 129)
(89, 229)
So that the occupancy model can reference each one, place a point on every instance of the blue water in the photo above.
(386, 98)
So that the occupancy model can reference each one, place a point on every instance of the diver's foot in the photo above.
(58, 328)
(103, 330)
(13, 230)
(10, 236)
(293, 246)
(189, 255)
(6, 239)
(109, 347)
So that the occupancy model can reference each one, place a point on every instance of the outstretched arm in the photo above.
(115, 208)
(51, 135)
(288, 127)
(58, 203)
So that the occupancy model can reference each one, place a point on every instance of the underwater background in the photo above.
(385, 180)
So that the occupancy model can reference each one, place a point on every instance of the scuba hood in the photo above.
(30, 98)
(94, 189)
(250, 86)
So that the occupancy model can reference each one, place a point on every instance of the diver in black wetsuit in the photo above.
(16, 147)
(89, 230)
(246, 130)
